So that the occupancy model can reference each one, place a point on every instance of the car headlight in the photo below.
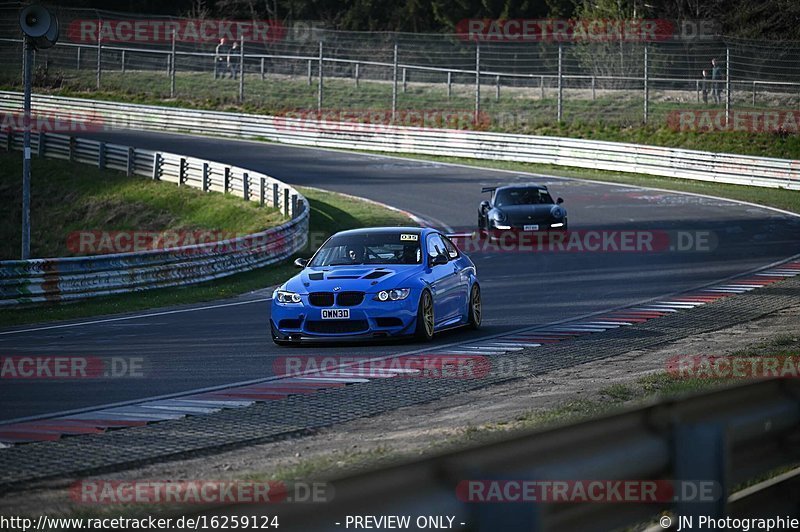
(392, 295)
(284, 296)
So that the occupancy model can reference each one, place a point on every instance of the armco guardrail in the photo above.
(703, 446)
(655, 160)
(69, 278)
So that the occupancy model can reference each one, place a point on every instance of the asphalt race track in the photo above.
(217, 343)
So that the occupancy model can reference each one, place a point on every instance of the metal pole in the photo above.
(241, 69)
(357, 74)
(262, 69)
(309, 72)
(560, 106)
(321, 78)
(594, 85)
(405, 84)
(754, 94)
(394, 84)
(78, 59)
(477, 81)
(646, 87)
(172, 68)
(727, 86)
(27, 59)
(122, 62)
(99, 54)
(449, 84)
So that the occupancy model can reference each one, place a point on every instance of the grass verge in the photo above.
(330, 212)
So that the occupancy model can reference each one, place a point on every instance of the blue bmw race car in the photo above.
(378, 282)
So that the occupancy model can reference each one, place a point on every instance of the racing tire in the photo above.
(425, 317)
(475, 310)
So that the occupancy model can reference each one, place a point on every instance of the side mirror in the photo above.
(485, 206)
(559, 201)
(300, 262)
(439, 259)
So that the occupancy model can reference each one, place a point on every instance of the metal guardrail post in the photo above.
(41, 144)
(754, 94)
(356, 74)
(262, 69)
(78, 59)
(226, 180)
(262, 191)
(594, 85)
(497, 88)
(541, 86)
(205, 177)
(405, 80)
(727, 86)
(286, 202)
(275, 198)
(241, 69)
(182, 171)
(560, 105)
(246, 186)
(477, 81)
(646, 87)
(122, 62)
(131, 161)
(701, 452)
(72, 145)
(172, 67)
(157, 162)
(293, 213)
(321, 80)
(449, 84)
(101, 155)
(394, 85)
(309, 72)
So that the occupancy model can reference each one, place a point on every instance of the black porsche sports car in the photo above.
(528, 207)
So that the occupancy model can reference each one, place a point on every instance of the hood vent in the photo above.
(377, 274)
(316, 276)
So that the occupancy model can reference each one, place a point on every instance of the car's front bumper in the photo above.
(370, 319)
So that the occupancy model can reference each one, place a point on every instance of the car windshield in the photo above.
(522, 196)
(370, 248)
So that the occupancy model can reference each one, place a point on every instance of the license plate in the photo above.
(335, 314)
(531, 227)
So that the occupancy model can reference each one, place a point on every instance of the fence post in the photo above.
(72, 143)
(101, 155)
(286, 202)
(321, 80)
(226, 180)
(560, 106)
(78, 59)
(449, 84)
(646, 87)
(182, 171)
(356, 74)
(99, 57)
(40, 145)
(122, 62)
(477, 81)
(293, 212)
(309, 72)
(405, 82)
(156, 166)
(263, 191)
(205, 177)
(497, 88)
(246, 186)
(262, 69)
(727, 86)
(754, 94)
(241, 69)
(172, 68)
(275, 192)
(394, 84)
(541, 86)
(130, 162)
(594, 85)
(697, 89)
